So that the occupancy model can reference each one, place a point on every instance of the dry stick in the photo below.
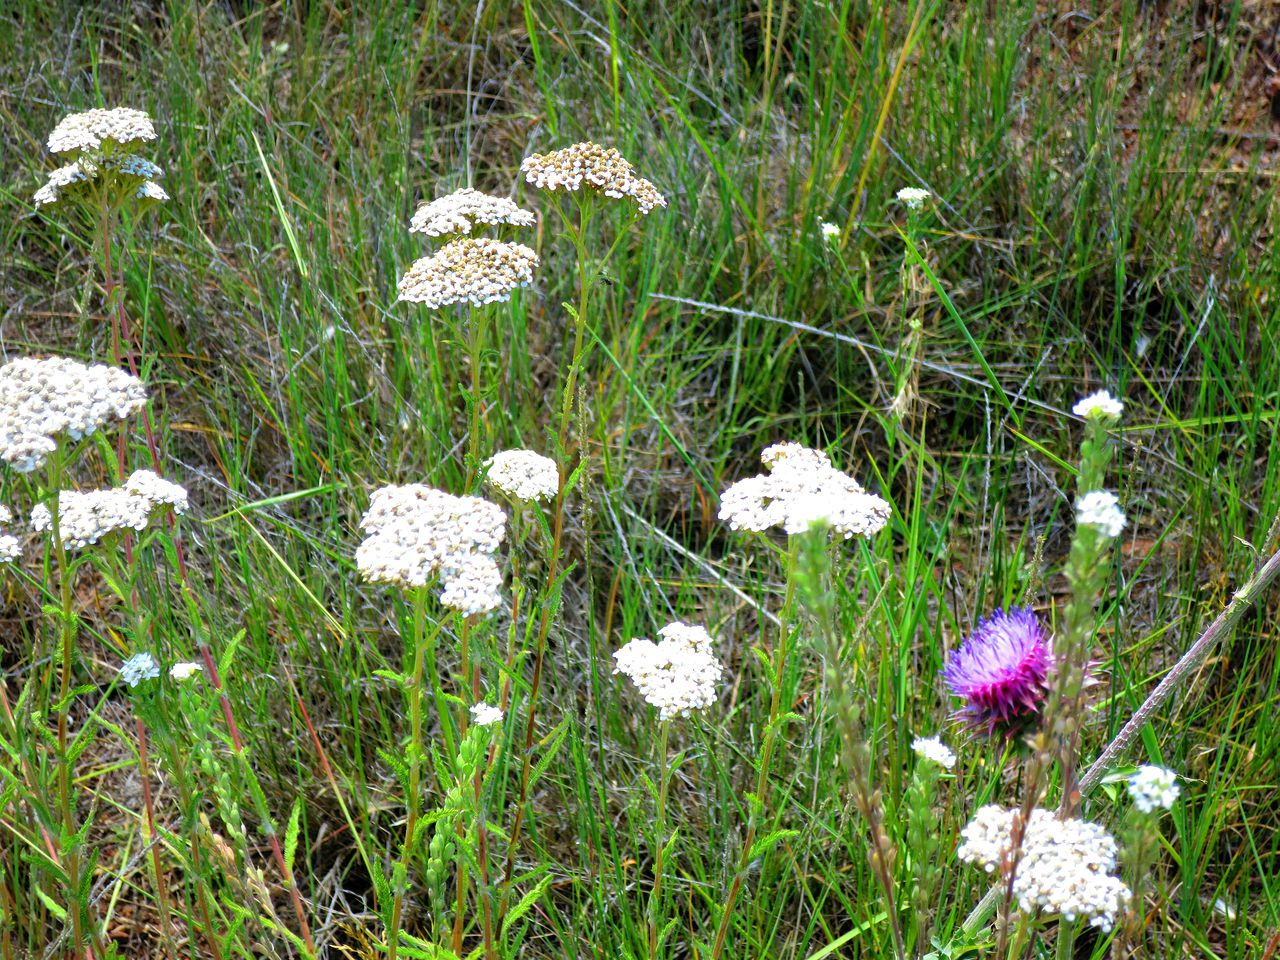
(277, 854)
(1191, 661)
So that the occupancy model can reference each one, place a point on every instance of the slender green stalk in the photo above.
(585, 283)
(656, 913)
(460, 885)
(421, 640)
(765, 762)
(477, 439)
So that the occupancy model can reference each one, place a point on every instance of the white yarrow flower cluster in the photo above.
(461, 211)
(417, 533)
(184, 671)
(913, 197)
(829, 230)
(1101, 509)
(1065, 867)
(485, 714)
(93, 129)
(935, 751)
(475, 271)
(59, 180)
(100, 139)
(678, 674)
(41, 400)
(802, 488)
(152, 191)
(523, 475)
(1153, 788)
(1099, 406)
(591, 165)
(10, 548)
(139, 667)
(85, 518)
(156, 489)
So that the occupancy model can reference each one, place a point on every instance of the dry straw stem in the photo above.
(1191, 661)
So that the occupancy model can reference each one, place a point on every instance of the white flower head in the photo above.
(10, 548)
(126, 170)
(599, 168)
(1099, 406)
(935, 751)
(139, 667)
(829, 230)
(157, 490)
(42, 400)
(1101, 509)
(61, 179)
(463, 210)
(524, 475)
(1065, 867)
(678, 674)
(802, 488)
(475, 271)
(484, 714)
(184, 671)
(150, 190)
(91, 129)
(417, 533)
(1153, 788)
(913, 197)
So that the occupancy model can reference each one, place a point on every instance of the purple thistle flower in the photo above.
(1000, 671)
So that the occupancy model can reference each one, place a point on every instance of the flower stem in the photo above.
(655, 896)
(150, 838)
(460, 884)
(553, 559)
(766, 761)
(420, 642)
(475, 344)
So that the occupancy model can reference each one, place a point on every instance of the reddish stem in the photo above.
(122, 322)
